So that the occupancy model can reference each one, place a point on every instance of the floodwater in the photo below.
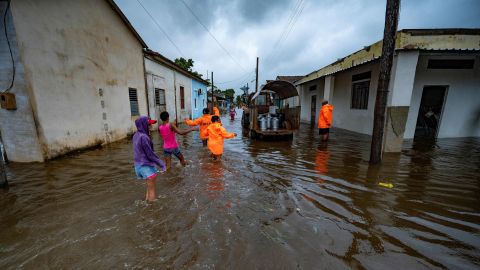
(265, 205)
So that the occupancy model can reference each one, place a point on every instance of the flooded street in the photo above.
(266, 205)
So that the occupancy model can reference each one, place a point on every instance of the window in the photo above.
(450, 63)
(182, 97)
(132, 95)
(195, 102)
(360, 89)
(313, 87)
(159, 97)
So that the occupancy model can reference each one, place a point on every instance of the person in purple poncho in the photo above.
(145, 159)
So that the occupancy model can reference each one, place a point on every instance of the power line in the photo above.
(210, 33)
(237, 78)
(9, 48)
(161, 29)
(293, 18)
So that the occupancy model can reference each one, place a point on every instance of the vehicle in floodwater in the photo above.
(268, 116)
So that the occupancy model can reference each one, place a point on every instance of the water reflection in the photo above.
(297, 204)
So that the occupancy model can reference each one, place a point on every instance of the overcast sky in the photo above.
(291, 37)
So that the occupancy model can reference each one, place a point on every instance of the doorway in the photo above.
(430, 112)
(313, 110)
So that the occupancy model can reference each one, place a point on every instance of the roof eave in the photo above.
(117, 9)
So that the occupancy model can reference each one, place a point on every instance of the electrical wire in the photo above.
(161, 29)
(214, 38)
(234, 80)
(9, 48)
(293, 18)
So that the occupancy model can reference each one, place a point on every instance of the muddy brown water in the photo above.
(266, 205)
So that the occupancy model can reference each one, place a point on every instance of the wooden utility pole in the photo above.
(256, 77)
(389, 34)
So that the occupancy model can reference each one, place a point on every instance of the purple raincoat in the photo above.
(143, 153)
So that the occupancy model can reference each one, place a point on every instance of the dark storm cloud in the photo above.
(325, 30)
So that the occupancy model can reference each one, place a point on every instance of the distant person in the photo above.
(325, 120)
(232, 113)
(145, 159)
(216, 136)
(204, 121)
(168, 132)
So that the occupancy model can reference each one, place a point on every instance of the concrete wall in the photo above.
(17, 127)
(360, 121)
(306, 97)
(70, 50)
(461, 112)
(201, 99)
(164, 78)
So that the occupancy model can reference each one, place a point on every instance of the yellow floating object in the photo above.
(387, 185)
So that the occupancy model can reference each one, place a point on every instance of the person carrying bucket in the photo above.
(216, 136)
(204, 121)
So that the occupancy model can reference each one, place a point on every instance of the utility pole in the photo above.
(256, 77)
(389, 34)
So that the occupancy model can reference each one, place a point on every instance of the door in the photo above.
(160, 104)
(430, 112)
(313, 110)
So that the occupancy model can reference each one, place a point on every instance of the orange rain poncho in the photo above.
(216, 111)
(216, 135)
(325, 116)
(203, 122)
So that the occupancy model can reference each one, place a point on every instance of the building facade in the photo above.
(79, 77)
(171, 88)
(434, 88)
(199, 99)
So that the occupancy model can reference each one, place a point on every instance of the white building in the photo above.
(79, 77)
(169, 87)
(434, 88)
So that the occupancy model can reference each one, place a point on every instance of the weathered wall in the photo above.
(17, 127)
(461, 112)
(70, 50)
(164, 78)
(201, 100)
(360, 121)
(306, 97)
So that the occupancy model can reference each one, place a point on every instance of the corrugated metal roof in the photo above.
(465, 40)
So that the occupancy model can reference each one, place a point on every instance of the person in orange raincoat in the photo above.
(214, 108)
(325, 120)
(204, 121)
(216, 135)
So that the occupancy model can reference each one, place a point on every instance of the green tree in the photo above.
(187, 64)
(229, 93)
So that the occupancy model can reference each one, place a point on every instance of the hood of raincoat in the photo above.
(142, 124)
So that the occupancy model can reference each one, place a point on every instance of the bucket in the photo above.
(275, 123)
(262, 123)
(268, 119)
